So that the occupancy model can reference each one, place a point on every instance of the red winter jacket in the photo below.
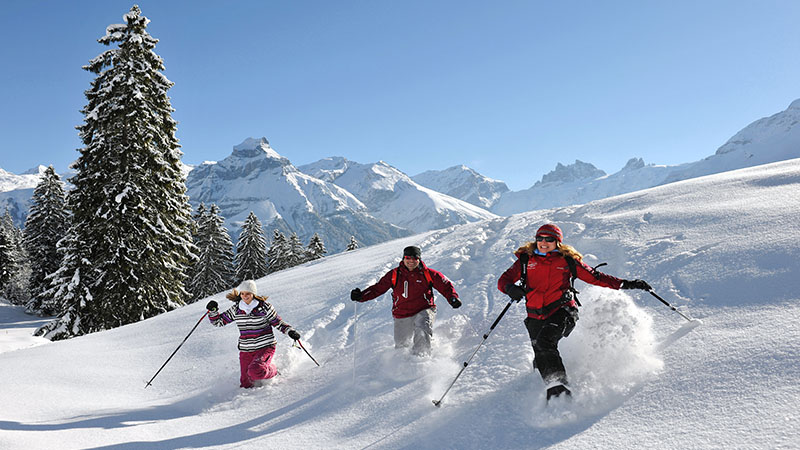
(412, 292)
(548, 279)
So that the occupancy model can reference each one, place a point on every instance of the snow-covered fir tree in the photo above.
(278, 252)
(131, 219)
(297, 253)
(352, 245)
(251, 251)
(16, 264)
(213, 271)
(197, 219)
(68, 290)
(316, 248)
(44, 227)
(7, 259)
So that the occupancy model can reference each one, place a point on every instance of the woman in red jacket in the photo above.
(550, 298)
(413, 309)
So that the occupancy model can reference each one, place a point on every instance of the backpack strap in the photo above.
(573, 275)
(523, 266)
(425, 271)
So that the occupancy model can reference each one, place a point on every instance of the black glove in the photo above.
(356, 295)
(455, 303)
(515, 292)
(635, 284)
(212, 306)
(294, 335)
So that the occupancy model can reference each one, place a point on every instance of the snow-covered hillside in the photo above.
(722, 248)
(463, 183)
(256, 178)
(393, 196)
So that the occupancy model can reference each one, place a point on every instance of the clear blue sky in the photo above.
(508, 88)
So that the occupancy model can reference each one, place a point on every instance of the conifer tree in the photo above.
(43, 229)
(277, 253)
(214, 269)
(7, 260)
(17, 264)
(352, 245)
(251, 251)
(197, 218)
(69, 294)
(316, 248)
(131, 220)
(297, 253)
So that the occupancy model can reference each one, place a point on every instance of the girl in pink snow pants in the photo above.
(255, 319)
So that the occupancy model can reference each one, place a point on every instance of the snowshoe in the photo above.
(558, 391)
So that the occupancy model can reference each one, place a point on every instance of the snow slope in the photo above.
(722, 248)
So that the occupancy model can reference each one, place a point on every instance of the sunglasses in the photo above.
(410, 257)
(545, 238)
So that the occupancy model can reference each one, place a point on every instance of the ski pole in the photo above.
(485, 336)
(670, 306)
(176, 350)
(355, 323)
(309, 354)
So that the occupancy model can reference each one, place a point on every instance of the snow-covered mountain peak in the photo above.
(254, 148)
(328, 169)
(255, 178)
(579, 170)
(464, 183)
(768, 136)
(633, 164)
(38, 170)
(393, 196)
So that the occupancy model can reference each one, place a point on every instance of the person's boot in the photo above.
(558, 391)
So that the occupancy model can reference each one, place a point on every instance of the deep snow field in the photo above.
(721, 248)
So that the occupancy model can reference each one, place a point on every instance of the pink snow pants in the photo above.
(256, 365)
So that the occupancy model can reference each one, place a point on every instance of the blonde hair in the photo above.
(565, 249)
(235, 296)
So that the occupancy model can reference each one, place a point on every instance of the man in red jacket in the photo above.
(413, 308)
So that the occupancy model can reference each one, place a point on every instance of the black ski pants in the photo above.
(545, 335)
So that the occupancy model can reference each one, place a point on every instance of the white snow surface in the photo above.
(721, 248)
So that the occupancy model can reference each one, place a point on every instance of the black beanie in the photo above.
(412, 250)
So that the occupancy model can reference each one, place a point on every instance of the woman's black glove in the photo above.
(515, 292)
(294, 335)
(635, 284)
(356, 295)
(212, 306)
(455, 303)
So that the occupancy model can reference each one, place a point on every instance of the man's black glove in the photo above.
(294, 335)
(356, 295)
(212, 306)
(635, 284)
(515, 292)
(455, 303)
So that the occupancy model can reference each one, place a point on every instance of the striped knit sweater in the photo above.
(255, 329)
